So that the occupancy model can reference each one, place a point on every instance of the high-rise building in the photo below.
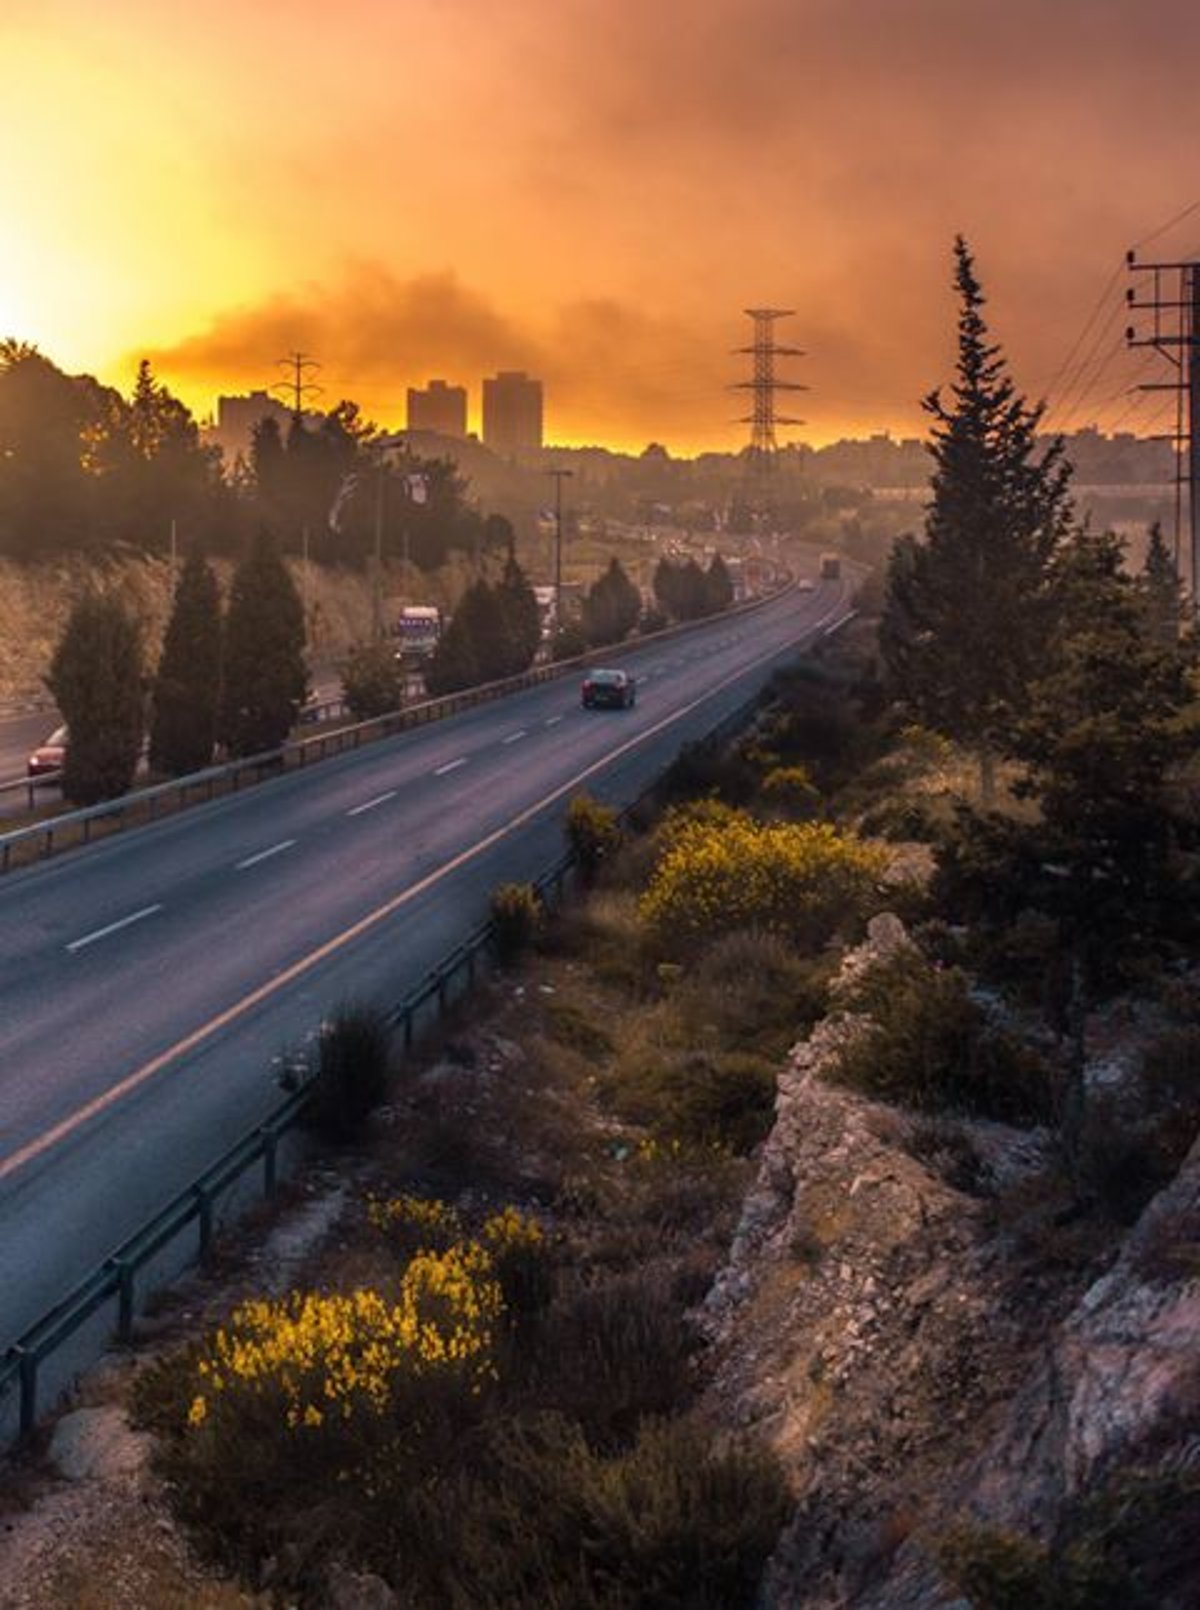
(237, 417)
(512, 412)
(438, 407)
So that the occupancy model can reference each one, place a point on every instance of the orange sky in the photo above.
(592, 190)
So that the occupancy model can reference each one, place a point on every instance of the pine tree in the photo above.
(265, 678)
(1161, 589)
(187, 686)
(1104, 731)
(965, 625)
(522, 622)
(96, 677)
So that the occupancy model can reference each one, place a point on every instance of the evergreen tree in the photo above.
(1101, 736)
(611, 607)
(522, 622)
(187, 687)
(718, 586)
(372, 681)
(964, 632)
(265, 678)
(1161, 590)
(96, 677)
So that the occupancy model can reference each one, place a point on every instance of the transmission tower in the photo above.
(761, 456)
(297, 387)
(1171, 301)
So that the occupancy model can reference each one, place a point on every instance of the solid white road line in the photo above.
(113, 927)
(380, 799)
(514, 737)
(265, 855)
(140, 1076)
(451, 765)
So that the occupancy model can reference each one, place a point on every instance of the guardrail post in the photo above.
(27, 1371)
(270, 1145)
(205, 1203)
(408, 1028)
(125, 1299)
(441, 992)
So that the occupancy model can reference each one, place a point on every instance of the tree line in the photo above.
(83, 467)
(230, 674)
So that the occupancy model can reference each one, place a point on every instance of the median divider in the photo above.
(115, 1284)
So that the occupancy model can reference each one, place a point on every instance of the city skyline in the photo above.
(593, 193)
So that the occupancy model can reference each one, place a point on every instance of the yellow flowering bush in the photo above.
(338, 1357)
(521, 1254)
(415, 1223)
(729, 872)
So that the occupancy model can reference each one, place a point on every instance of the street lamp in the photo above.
(559, 477)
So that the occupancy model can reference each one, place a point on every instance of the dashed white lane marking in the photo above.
(369, 805)
(514, 737)
(451, 765)
(265, 855)
(553, 721)
(112, 928)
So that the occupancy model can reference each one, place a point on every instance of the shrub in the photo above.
(708, 768)
(297, 1422)
(928, 1045)
(675, 1521)
(516, 911)
(791, 789)
(593, 833)
(999, 1570)
(372, 681)
(608, 1353)
(700, 1097)
(756, 992)
(351, 1073)
(800, 880)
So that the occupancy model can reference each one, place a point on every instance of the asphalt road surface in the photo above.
(148, 981)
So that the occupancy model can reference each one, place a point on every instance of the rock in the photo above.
(357, 1590)
(97, 1444)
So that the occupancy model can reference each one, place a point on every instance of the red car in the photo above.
(615, 689)
(48, 757)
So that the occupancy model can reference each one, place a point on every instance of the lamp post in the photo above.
(559, 477)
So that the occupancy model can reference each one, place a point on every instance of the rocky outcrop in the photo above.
(911, 1364)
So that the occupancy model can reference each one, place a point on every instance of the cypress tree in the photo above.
(187, 687)
(265, 680)
(96, 677)
(517, 602)
(718, 586)
(967, 620)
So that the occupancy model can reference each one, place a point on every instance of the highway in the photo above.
(147, 982)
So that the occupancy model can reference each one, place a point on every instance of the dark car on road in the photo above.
(611, 690)
(48, 757)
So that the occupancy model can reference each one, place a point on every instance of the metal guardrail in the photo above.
(116, 1278)
(146, 804)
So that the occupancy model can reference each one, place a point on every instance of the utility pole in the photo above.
(298, 387)
(764, 384)
(377, 589)
(1173, 302)
(559, 477)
